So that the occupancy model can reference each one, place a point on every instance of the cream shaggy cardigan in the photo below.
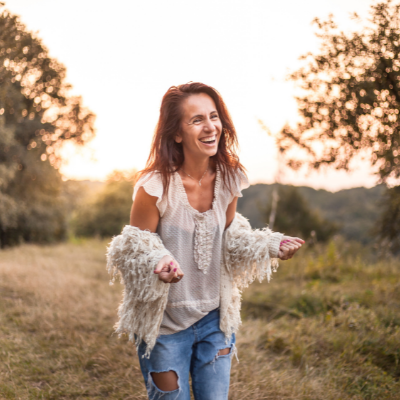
(247, 254)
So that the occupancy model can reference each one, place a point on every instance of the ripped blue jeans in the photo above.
(195, 351)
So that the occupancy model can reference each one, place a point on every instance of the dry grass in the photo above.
(327, 327)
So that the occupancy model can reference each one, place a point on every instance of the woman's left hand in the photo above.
(289, 245)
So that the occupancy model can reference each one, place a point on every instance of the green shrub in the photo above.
(108, 212)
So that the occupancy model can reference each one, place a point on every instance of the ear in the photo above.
(178, 138)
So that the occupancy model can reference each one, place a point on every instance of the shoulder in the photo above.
(154, 177)
(153, 185)
(234, 184)
(242, 181)
(151, 182)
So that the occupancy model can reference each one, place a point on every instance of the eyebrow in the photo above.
(201, 115)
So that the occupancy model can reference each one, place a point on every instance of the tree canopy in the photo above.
(350, 105)
(350, 97)
(37, 115)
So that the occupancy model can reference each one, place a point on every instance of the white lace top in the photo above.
(195, 241)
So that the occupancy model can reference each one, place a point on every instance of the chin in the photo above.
(212, 152)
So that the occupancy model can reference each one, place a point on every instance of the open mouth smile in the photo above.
(209, 141)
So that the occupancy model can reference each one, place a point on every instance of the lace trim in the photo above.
(203, 236)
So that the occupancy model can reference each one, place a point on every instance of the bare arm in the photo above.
(145, 215)
(230, 212)
(144, 212)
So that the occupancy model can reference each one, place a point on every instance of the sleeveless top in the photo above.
(195, 241)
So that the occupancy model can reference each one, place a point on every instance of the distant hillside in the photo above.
(355, 210)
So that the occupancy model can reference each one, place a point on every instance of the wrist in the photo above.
(274, 244)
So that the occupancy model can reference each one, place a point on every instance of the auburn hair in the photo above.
(166, 156)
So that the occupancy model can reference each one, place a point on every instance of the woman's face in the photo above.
(201, 126)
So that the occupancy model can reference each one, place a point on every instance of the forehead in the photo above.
(199, 103)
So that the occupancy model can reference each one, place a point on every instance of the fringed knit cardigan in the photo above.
(134, 254)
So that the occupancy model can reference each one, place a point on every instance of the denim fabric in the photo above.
(193, 350)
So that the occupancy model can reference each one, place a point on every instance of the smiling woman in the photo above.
(190, 115)
(184, 225)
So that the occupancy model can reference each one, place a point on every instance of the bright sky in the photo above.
(122, 56)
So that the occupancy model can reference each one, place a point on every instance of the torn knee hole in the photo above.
(165, 381)
(228, 351)
(224, 352)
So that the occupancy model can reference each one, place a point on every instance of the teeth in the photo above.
(208, 140)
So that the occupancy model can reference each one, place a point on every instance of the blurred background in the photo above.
(314, 91)
(81, 86)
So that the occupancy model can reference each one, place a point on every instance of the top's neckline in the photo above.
(185, 198)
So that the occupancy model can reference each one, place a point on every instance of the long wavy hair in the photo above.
(166, 156)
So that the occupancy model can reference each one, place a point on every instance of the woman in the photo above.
(185, 229)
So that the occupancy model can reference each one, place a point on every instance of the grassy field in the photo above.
(326, 327)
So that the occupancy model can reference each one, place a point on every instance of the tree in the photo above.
(388, 226)
(106, 215)
(350, 98)
(36, 117)
(295, 217)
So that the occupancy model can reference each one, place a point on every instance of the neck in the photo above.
(196, 168)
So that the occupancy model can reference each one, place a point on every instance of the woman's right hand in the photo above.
(168, 270)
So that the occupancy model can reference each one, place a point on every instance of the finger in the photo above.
(180, 273)
(283, 253)
(293, 252)
(296, 246)
(292, 249)
(158, 269)
(163, 276)
(295, 240)
(172, 274)
(286, 252)
(162, 267)
(178, 276)
(284, 247)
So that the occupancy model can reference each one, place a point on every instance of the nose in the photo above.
(208, 125)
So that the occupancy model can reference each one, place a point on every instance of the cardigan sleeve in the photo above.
(134, 255)
(250, 254)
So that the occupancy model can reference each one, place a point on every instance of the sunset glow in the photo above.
(122, 57)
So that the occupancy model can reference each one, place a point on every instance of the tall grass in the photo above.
(326, 327)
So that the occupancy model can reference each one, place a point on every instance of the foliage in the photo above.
(326, 327)
(108, 212)
(350, 101)
(332, 308)
(388, 226)
(36, 116)
(295, 217)
(39, 212)
(351, 97)
(355, 211)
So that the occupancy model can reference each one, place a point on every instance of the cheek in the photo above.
(191, 137)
